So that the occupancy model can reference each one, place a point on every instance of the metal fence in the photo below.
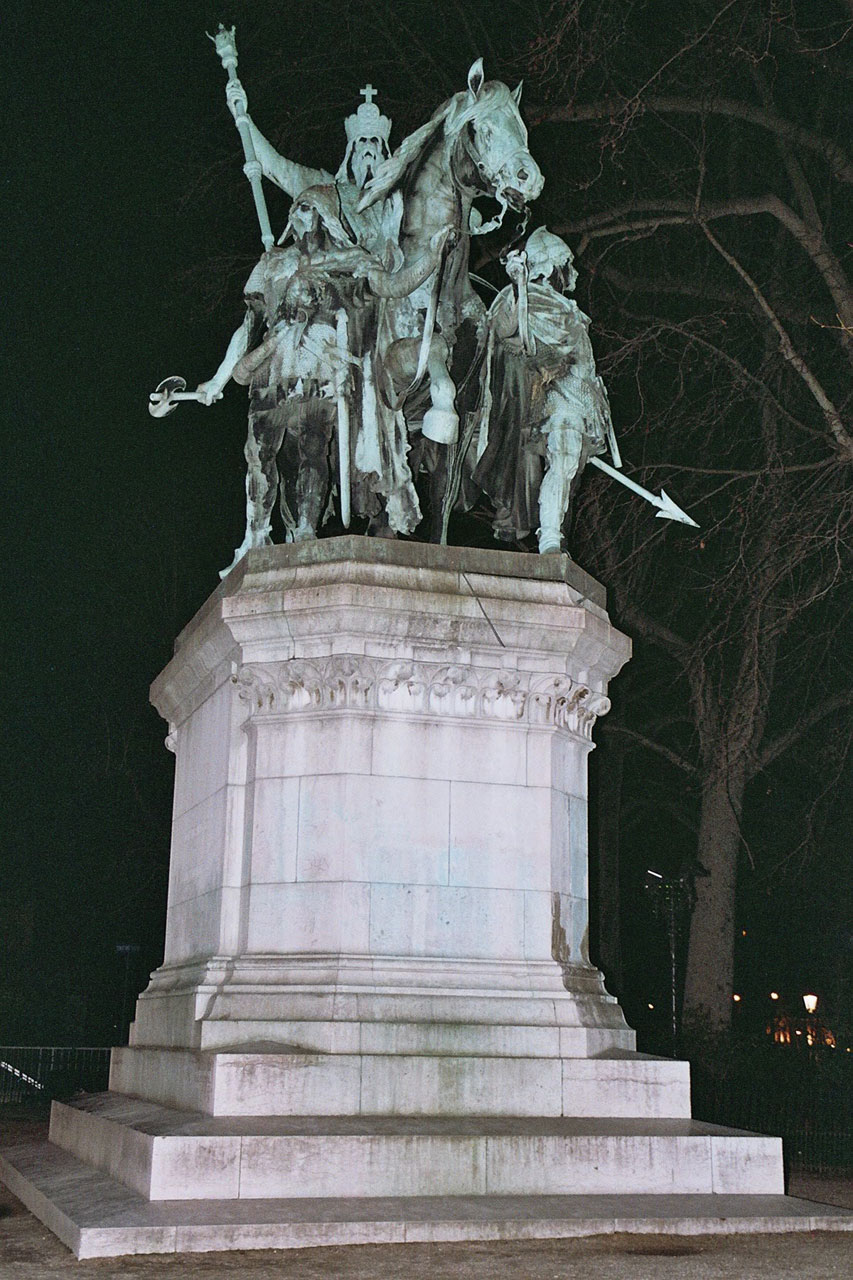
(30, 1073)
(812, 1116)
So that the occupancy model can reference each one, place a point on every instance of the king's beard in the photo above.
(364, 166)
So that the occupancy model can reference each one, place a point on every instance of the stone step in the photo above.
(166, 1154)
(271, 1082)
(96, 1216)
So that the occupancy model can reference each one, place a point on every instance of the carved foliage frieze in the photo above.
(409, 688)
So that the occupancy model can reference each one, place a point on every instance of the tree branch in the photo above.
(808, 720)
(810, 239)
(830, 413)
(672, 756)
(761, 390)
(610, 110)
(683, 289)
(652, 629)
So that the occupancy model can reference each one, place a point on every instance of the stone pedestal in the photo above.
(376, 983)
(379, 835)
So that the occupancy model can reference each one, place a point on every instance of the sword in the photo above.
(524, 313)
(343, 415)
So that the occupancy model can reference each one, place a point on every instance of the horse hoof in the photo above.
(441, 425)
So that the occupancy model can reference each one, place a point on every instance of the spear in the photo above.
(666, 508)
(226, 47)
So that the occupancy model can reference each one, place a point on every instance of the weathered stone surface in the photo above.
(381, 792)
(377, 1018)
(99, 1217)
(168, 1154)
(437, 1083)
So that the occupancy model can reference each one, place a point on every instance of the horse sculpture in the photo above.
(369, 320)
(474, 145)
(387, 299)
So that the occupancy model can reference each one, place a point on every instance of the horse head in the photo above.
(484, 147)
(489, 142)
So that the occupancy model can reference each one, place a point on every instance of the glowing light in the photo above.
(810, 1001)
(736, 999)
(651, 1006)
(774, 995)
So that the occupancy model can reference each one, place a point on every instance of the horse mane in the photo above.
(453, 115)
(390, 172)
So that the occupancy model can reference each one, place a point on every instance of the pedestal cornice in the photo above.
(515, 620)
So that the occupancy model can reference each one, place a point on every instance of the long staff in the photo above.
(226, 47)
(343, 415)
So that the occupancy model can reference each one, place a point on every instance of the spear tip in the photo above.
(670, 510)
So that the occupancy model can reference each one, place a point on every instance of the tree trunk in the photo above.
(709, 979)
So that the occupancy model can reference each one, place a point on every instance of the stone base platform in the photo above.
(377, 1019)
(166, 1154)
(97, 1216)
(263, 1081)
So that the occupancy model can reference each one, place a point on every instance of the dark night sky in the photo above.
(129, 230)
(113, 537)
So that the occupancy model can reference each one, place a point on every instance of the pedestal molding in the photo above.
(357, 682)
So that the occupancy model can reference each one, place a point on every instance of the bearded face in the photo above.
(367, 155)
(559, 275)
(303, 218)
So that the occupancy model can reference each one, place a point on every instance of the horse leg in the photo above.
(441, 421)
(316, 421)
(437, 460)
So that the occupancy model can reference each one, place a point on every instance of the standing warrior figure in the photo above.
(367, 133)
(289, 352)
(293, 350)
(544, 406)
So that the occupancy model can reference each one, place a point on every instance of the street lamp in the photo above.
(673, 901)
(810, 1002)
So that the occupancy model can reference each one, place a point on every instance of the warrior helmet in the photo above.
(325, 202)
(547, 253)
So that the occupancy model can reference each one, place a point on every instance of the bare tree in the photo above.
(696, 160)
(705, 200)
